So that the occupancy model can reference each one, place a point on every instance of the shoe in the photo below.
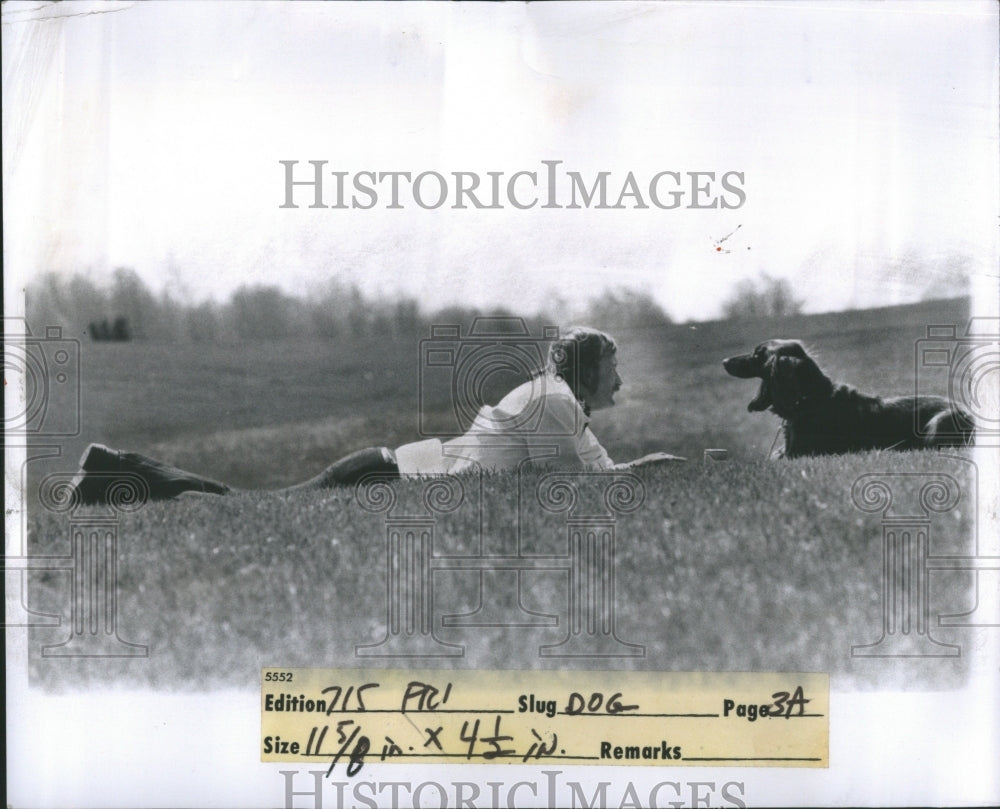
(102, 468)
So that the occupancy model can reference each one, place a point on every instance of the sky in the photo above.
(151, 135)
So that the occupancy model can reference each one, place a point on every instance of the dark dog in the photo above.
(823, 418)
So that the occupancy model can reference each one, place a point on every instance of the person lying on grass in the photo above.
(542, 422)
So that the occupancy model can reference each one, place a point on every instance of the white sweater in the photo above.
(539, 422)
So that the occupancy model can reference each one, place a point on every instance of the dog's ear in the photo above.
(786, 387)
(762, 401)
(796, 380)
(812, 381)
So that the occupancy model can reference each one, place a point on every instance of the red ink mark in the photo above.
(720, 242)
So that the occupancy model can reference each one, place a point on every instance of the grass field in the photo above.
(748, 564)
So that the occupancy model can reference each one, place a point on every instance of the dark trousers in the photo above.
(104, 471)
(378, 463)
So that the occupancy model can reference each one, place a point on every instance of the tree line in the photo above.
(126, 308)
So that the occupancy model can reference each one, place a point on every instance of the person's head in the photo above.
(586, 360)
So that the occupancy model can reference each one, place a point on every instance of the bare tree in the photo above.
(261, 311)
(765, 297)
(624, 307)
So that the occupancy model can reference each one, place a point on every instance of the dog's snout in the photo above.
(742, 366)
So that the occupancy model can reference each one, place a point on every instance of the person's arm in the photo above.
(563, 439)
(568, 442)
(651, 459)
(592, 455)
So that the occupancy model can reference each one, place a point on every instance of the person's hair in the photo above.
(575, 358)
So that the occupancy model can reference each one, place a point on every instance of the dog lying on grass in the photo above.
(825, 418)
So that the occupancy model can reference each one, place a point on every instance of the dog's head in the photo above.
(788, 376)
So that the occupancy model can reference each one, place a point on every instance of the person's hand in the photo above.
(653, 458)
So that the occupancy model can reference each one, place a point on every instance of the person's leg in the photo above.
(349, 470)
(103, 469)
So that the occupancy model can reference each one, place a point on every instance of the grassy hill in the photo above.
(748, 564)
(271, 413)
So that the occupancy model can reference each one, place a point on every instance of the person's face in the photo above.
(607, 384)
